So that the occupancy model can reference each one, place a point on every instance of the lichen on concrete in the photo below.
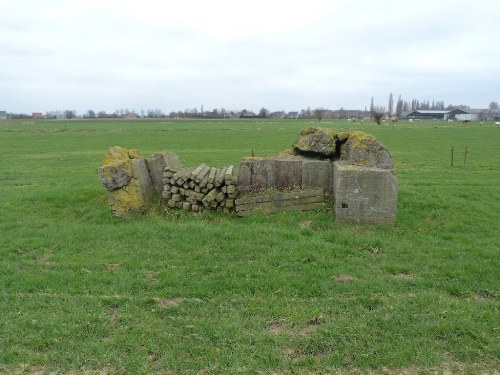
(362, 149)
(115, 154)
(317, 141)
(127, 199)
(125, 176)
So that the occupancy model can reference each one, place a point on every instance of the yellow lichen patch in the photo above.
(361, 149)
(115, 154)
(345, 167)
(134, 154)
(129, 198)
(360, 139)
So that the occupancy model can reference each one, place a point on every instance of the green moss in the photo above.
(361, 140)
(318, 140)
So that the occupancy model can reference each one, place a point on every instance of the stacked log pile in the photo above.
(200, 188)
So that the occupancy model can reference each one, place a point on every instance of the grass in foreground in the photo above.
(295, 292)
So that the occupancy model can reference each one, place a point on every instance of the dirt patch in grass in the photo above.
(166, 303)
(344, 278)
(305, 224)
(311, 325)
(152, 276)
(484, 295)
(404, 276)
(277, 329)
(291, 353)
(153, 357)
(280, 327)
(113, 266)
(113, 314)
(44, 259)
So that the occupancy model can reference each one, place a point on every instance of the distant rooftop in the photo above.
(430, 111)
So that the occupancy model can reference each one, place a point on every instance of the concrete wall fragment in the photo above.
(365, 194)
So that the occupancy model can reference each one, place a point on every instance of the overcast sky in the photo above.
(174, 55)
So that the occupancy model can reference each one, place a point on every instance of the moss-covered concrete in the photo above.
(353, 147)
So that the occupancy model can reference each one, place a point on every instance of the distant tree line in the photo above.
(394, 110)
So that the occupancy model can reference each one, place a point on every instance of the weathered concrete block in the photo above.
(173, 162)
(245, 176)
(365, 194)
(263, 174)
(230, 175)
(316, 174)
(125, 175)
(115, 171)
(256, 174)
(136, 195)
(156, 165)
(141, 174)
(127, 199)
(116, 175)
(288, 173)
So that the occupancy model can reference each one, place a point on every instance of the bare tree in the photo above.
(69, 114)
(493, 105)
(390, 105)
(377, 113)
(319, 113)
(399, 107)
(263, 112)
(377, 116)
(371, 109)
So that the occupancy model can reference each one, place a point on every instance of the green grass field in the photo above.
(295, 292)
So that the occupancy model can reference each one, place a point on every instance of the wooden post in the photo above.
(465, 155)
(452, 149)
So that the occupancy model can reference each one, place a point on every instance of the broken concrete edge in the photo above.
(354, 147)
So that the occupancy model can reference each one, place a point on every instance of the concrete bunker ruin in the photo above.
(351, 171)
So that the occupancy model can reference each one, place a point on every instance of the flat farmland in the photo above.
(172, 291)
